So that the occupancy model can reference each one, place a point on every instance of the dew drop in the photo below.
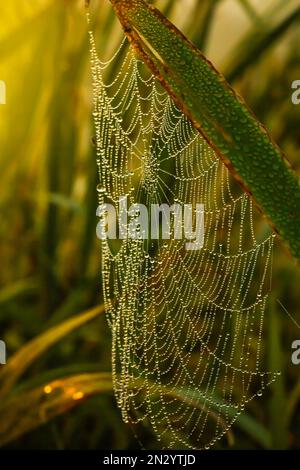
(100, 188)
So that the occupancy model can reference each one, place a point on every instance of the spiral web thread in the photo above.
(186, 325)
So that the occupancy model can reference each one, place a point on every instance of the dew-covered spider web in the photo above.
(186, 326)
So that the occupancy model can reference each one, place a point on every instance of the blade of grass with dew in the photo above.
(219, 114)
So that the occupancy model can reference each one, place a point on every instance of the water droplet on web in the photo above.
(100, 188)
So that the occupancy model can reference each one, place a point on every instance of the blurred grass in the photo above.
(50, 267)
(22, 359)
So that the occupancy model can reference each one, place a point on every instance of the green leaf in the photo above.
(35, 348)
(219, 114)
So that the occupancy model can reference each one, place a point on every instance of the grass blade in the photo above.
(244, 421)
(219, 114)
(35, 348)
(278, 401)
(27, 411)
(256, 43)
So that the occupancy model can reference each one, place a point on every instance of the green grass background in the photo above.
(50, 257)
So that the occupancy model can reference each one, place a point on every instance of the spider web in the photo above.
(186, 325)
